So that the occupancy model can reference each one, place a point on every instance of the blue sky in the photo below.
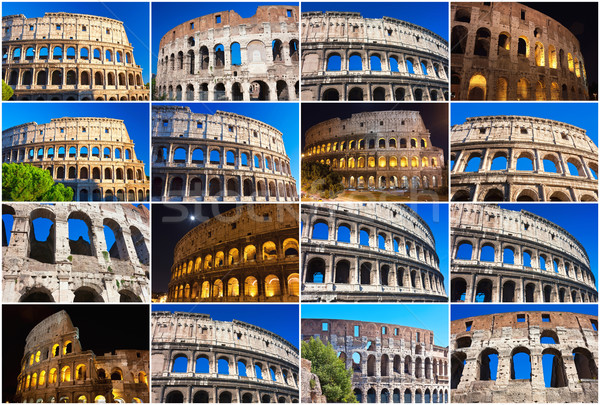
(580, 220)
(135, 117)
(282, 116)
(582, 115)
(166, 16)
(135, 18)
(430, 15)
(432, 317)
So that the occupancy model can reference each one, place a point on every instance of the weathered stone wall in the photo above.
(508, 51)
(249, 253)
(310, 391)
(396, 362)
(226, 157)
(515, 137)
(347, 34)
(566, 277)
(195, 60)
(377, 150)
(574, 372)
(406, 270)
(62, 270)
(195, 336)
(55, 368)
(93, 156)
(65, 56)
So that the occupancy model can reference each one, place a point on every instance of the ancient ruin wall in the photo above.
(65, 56)
(539, 140)
(63, 270)
(249, 253)
(508, 51)
(395, 44)
(558, 269)
(377, 150)
(55, 368)
(197, 336)
(222, 56)
(93, 156)
(225, 157)
(514, 339)
(407, 269)
(391, 363)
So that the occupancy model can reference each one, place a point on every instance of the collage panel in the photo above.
(226, 253)
(65, 353)
(524, 353)
(375, 353)
(374, 152)
(67, 51)
(238, 51)
(241, 353)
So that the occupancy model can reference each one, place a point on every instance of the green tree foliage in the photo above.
(28, 183)
(317, 178)
(336, 381)
(7, 91)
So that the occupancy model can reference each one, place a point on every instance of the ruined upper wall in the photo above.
(49, 330)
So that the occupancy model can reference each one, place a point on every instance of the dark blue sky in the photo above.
(582, 115)
(580, 220)
(135, 18)
(135, 117)
(282, 116)
(432, 317)
(430, 15)
(281, 319)
(167, 15)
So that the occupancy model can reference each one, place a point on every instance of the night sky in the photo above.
(435, 116)
(169, 223)
(102, 329)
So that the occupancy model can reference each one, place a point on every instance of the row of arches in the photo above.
(227, 396)
(236, 91)
(381, 162)
(396, 365)
(80, 95)
(379, 93)
(81, 294)
(82, 398)
(269, 251)
(72, 77)
(65, 374)
(521, 194)
(415, 142)
(57, 350)
(393, 182)
(70, 152)
(77, 54)
(419, 396)
(83, 173)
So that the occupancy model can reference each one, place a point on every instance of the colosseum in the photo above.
(381, 150)
(42, 260)
(66, 56)
(218, 157)
(198, 359)
(224, 57)
(508, 51)
(527, 356)
(348, 57)
(391, 363)
(517, 158)
(368, 252)
(55, 368)
(500, 255)
(249, 253)
(93, 156)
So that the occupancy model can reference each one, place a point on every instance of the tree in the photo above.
(319, 178)
(7, 91)
(336, 381)
(22, 182)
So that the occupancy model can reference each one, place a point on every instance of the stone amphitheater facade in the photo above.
(521, 340)
(249, 253)
(66, 56)
(386, 47)
(399, 262)
(55, 368)
(381, 150)
(261, 366)
(391, 363)
(508, 51)
(534, 260)
(93, 156)
(224, 57)
(225, 157)
(537, 141)
(62, 270)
